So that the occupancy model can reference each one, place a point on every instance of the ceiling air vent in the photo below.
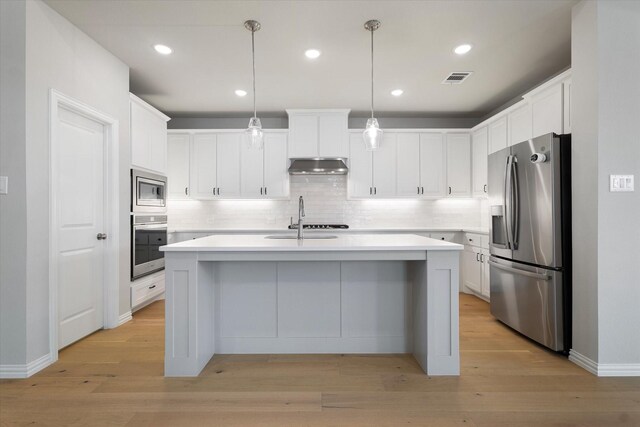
(456, 78)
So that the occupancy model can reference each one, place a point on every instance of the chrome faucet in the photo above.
(300, 218)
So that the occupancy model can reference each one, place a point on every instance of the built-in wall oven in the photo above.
(148, 192)
(149, 232)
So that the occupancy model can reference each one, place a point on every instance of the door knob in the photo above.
(102, 236)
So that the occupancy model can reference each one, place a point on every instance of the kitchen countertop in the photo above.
(344, 242)
(477, 230)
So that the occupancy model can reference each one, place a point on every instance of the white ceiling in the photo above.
(517, 44)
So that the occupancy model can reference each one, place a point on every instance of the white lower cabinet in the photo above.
(474, 264)
(472, 269)
(146, 289)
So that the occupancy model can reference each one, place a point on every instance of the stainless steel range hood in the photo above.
(318, 166)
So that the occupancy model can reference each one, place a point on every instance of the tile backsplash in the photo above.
(325, 202)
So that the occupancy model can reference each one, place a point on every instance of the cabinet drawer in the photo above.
(473, 239)
(142, 292)
(448, 237)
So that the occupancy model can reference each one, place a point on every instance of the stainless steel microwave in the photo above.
(148, 192)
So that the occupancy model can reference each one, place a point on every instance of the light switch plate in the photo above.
(4, 185)
(620, 182)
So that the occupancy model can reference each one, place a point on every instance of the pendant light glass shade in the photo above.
(253, 135)
(372, 135)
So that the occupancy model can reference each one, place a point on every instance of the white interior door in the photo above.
(80, 217)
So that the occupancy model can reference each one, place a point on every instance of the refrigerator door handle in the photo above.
(515, 212)
(518, 271)
(507, 201)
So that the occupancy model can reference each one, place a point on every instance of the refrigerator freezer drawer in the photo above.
(529, 300)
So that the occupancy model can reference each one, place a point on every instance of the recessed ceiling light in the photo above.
(241, 92)
(312, 53)
(397, 92)
(462, 49)
(162, 49)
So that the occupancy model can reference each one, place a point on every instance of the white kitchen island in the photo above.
(365, 293)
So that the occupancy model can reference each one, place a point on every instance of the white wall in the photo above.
(59, 56)
(606, 228)
(584, 179)
(618, 153)
(325, 202)
(13, 222)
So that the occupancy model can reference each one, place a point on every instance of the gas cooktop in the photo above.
(320, 226)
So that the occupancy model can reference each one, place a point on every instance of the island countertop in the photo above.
(355, 242)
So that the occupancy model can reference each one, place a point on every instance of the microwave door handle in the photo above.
(515, 212)
(150, 227)
(507, 201)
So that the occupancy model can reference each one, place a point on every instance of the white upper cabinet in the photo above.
(433, 157)
(384, 167)
(318, 133)
(148, 131)
(276, 175)
(178, 149)
(459, 164)
(203, 166)
(228, 164)
(498, 134)
(360, 168)
(520, 124)
(408, 160)
(479, 153)
(566, 102)
(547, 110)
(211, 165)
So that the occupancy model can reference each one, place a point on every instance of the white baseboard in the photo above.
(124, 318)
(605, 369)
(25, 371)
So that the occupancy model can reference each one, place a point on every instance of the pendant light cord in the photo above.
(253, 58)
(371, 73)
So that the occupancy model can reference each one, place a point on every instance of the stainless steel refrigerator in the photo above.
(530, 238)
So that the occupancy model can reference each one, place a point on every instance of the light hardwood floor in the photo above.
(114, 378)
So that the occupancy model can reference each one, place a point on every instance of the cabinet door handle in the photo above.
(482, 258)
(186, 191)
(375, 190)
(449, 190)
(422, 190)
(214, 191)
(477, 257)
(261, 191)
(265, 191)
(485, 188)
(418, 190)
(218, 190)
(152, 286)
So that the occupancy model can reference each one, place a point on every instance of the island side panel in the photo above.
(188, 314)
(435, 304)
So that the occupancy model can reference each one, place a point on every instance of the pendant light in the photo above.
(254, 137)
(372, 133)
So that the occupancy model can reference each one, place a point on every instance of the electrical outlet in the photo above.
(620, 183)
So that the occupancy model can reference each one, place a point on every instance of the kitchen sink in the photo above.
(307, 236)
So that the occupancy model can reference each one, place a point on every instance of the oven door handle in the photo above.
(150, 227)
